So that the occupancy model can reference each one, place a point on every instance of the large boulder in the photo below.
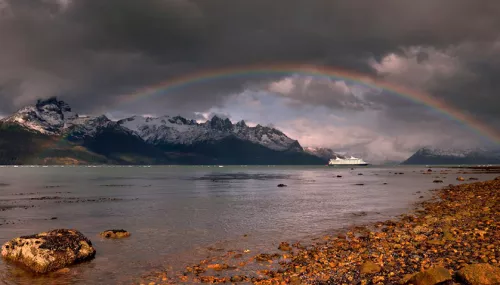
(432, 276)
(480, 274)
(49, 251)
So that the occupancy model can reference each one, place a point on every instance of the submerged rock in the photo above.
(49, 251)
(431, 276)
(480, 274)
(266, 257)
(115, 234)
(437, 181)
(282, 185)
(237, 278)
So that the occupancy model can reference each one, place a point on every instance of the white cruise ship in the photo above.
(348, 161)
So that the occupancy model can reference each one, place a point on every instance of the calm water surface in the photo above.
(175, 214)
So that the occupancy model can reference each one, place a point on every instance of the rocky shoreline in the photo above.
(453, 238)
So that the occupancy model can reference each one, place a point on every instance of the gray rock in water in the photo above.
(49, 251)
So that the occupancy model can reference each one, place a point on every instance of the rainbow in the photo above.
(415, 96)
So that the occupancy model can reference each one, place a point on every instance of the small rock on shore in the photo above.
(432, 276)
(480, 274)
(370, 267)
(114, 234)
(284, 246)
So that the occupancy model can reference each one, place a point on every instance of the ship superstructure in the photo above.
(339, 161)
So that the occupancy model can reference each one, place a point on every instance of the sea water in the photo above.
(177, 214)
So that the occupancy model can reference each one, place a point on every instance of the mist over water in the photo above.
(176, 214)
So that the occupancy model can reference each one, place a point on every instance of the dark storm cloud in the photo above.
(90, 52)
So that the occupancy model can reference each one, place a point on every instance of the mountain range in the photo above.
(435, 156)
(49, 132)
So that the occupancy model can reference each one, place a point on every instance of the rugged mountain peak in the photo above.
(101, 119)
(220, 124)
(55, 117)
(241, 124)
(47, 116)
(179, 120)
(51, 102)
(52, 105)
(325, 153)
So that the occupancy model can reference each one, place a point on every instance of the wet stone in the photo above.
(431, 276)
(369, 267)
(480, 274)
(284, 246)
(49, 251)
(115, 234)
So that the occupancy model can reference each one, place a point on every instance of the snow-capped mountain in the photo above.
(81, 127)
(46, 116)
(54, 117)
(431, 155)
(178, 130)
(321, 152)
(325, 153)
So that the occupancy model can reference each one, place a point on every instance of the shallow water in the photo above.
(176, 214)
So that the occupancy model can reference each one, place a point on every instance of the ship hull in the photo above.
(347, 165)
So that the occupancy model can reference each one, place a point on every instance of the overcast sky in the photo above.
(92, 53)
